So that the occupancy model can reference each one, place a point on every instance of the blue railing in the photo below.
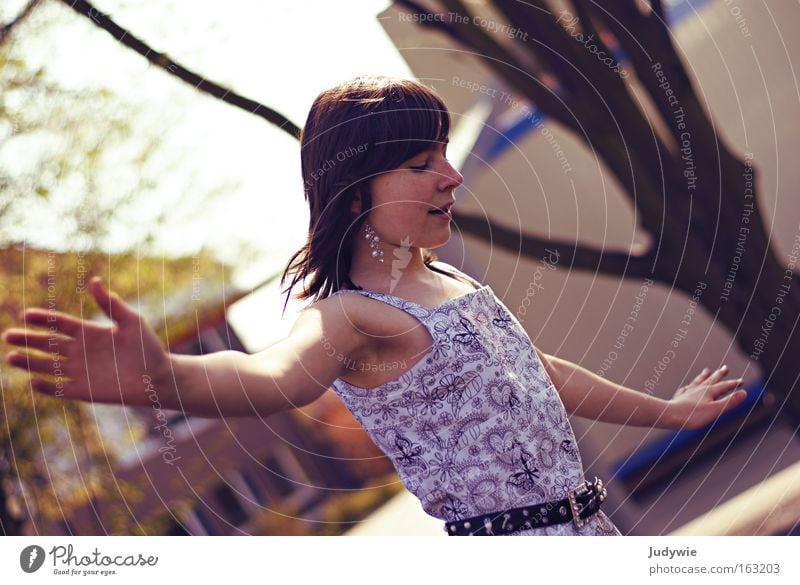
(647, 456)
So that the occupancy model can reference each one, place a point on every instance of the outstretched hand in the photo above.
(699, 403)
(87, 360)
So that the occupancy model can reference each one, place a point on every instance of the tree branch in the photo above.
(162, 61)
(431, 20)
(587, 24)
(549, 40)
(500, 60)
(5, 30)
(577, 255)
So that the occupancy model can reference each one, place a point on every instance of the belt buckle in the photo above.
(576, 506)
(583, 489)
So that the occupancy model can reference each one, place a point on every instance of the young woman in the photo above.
(434, 366)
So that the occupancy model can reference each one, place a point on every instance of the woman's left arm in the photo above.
(588, 395)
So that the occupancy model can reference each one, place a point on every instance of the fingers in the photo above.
(34, 339)
(711, 377)
(708, 374)
(111, 304)
(34, 363)
(57, 322)
(721, 388)
(705, 375)
(54, 321)
(701, 376)
(733, 400)
(718, 374)
(50, 388)
(716, 408)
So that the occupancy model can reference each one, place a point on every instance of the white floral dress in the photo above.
(475, 425)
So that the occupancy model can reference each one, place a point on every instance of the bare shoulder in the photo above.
(350, 310)
(368, 316)
(347, 320)
(384, 333)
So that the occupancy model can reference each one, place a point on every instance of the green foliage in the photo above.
(56, 458)
(79, 165)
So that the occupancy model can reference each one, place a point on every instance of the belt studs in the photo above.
(487, 525)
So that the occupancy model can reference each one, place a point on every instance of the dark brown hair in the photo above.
(355, 131)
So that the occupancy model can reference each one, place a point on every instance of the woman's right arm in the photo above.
(125, 363)
(289, 374)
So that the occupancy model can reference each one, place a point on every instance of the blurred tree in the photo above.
(52, 456)
(85, 159)
(60, 151)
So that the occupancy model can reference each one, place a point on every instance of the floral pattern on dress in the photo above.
(475, 425)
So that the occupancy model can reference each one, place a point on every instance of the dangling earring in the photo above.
(373, 242)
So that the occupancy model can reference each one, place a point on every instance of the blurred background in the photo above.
(628, 178)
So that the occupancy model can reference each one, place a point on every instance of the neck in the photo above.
(399, 261)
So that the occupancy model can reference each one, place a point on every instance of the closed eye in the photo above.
(425, 165)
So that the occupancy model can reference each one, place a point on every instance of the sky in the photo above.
(280, 54)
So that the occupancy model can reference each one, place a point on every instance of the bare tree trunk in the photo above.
(698, 199)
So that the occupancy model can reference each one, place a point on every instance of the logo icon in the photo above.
(31, 558)
(402, 256)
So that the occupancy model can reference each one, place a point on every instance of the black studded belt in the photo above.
(579, 504)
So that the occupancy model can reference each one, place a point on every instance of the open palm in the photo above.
(699, 402)
(89, 361)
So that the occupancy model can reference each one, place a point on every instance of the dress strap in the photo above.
(409, 306)
(404, 305)
(444, 266)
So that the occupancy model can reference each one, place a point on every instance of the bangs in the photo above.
(407, 121)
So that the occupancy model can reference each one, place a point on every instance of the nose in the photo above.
(450, 178)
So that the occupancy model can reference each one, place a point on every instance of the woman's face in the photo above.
(405, 200)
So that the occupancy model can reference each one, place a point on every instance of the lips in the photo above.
(444, 210)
